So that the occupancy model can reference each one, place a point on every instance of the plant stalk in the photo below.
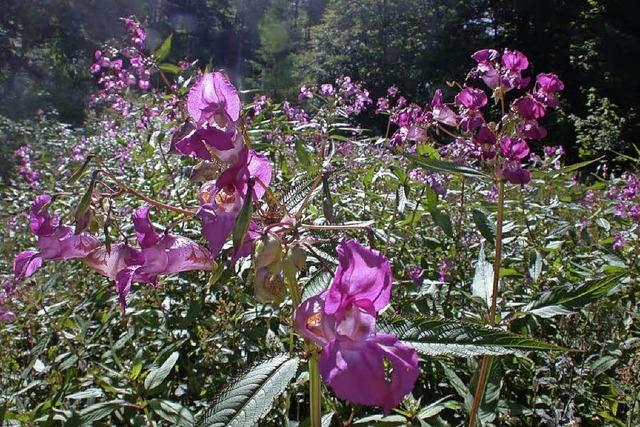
(315, 391)
(486, 360)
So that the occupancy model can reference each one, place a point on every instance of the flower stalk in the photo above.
(486, 360)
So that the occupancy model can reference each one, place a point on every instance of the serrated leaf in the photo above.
(164, 49)
(482, 285)
(487, 228)
(435, 337)
(173, 412)
(316, 284)
(443, 221)
(251, 396)
(569, 299)
(155, 377)
(90, 393)
(99, 410)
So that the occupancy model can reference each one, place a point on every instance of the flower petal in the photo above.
(145, 231)
(26, 263)
(363, 277)
(356, 371)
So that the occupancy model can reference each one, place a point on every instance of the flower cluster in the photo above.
(25, 168)
(501, 145)
(358, 363)
(157, 255)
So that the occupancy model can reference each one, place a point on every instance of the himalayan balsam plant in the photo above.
(345, 329)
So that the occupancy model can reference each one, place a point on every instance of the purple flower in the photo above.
(441, 112)
(208, 142)
(213, 96)
(513, 150)
(548, 85)
(619, 242)
(531, 129)
(226, 196)
(529, 108)
(158, 255)
(471, 98)
(514, 61)
(354, 357)
(56, 241)
(486, 139)
(327, 89)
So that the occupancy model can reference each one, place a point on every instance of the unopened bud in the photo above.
(268, 287)
(268, 251)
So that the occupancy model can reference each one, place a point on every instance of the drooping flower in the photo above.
(355, 359)
(158, 255)
(441, 112)
(213, 96)
(208, 142)
(56, 241)
(224, 198)
(548, 84)
(513, 150)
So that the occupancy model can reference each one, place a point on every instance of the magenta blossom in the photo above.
(208, 142)
(213, 96)
(513, 150)
(56, 241)
(342, 321)
(441, 112)
(224, 197)
(471, 98)
(158, 255)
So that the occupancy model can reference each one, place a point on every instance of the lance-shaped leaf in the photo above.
(164, 49)
(251, 396)
(158, 375)
(482, 285)
(436, 337)
(444, 167)
(85, 203)
(569, 299)
(78, 173)
(486, 227)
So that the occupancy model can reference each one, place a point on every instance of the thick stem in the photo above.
(486, 360)
(315, 391)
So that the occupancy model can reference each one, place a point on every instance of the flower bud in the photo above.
(268, 251)
(268, 287)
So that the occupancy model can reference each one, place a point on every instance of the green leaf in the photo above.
(574, 167)
(77, 174)
(173, 412)
(251, 396)
(482, 285)
(170, 68)
(90, 393)
(85, 202)
(444, 167)
(244, 218)
(569, 299)
(100, 410)
(487, 228)
(164, 49)
(443, 221)
(435, 337)
(156, 376)
(302, 154)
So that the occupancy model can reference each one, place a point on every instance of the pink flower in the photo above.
(471, 98)
(56, 241)
(213, 96)
(207, 142)
(342, 321)
(441, 112)
(225, 197)
(158, 255)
